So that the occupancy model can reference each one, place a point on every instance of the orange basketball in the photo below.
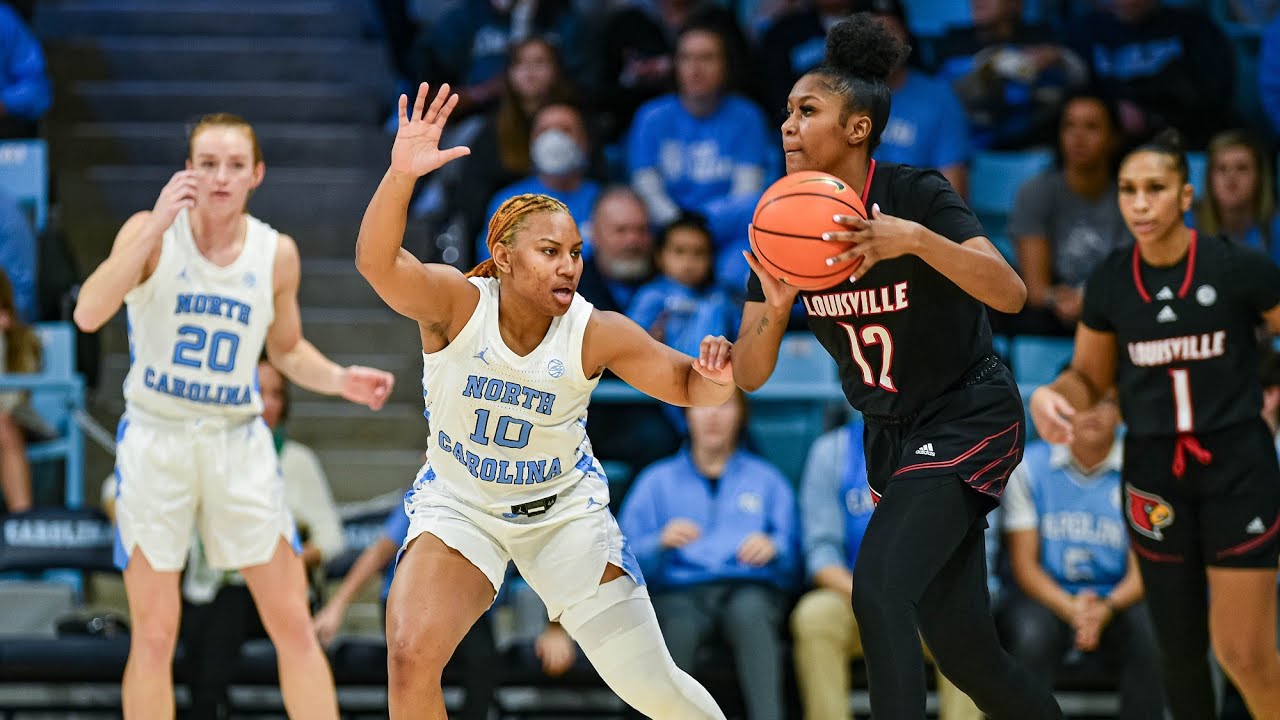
(786, 230)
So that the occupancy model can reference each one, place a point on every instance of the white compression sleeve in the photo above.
(619, 633)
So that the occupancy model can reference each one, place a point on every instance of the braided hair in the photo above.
(507, 221)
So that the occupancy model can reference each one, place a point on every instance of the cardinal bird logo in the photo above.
(1148, 513)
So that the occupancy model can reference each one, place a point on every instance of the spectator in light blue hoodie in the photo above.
(714, 529)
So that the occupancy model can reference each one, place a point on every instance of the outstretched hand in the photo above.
(1052, 415)
(714, 362)
(367, 386)
(417, 147)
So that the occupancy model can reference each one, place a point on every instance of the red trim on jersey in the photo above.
(875, 496)
(1253, 544)
(1154, 556)
(1186, 279)
(1013, 453)
(959, 458)
(1187, 443)
(866, 187)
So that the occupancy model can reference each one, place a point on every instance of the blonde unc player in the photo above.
(511, 355)
(206, 285)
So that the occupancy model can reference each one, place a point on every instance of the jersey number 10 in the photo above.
(191, 344)
(501, 433)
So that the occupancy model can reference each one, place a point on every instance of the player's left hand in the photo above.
(556, 650)
(367, 386)
(876, 237)
(756, 550)
(714, 362)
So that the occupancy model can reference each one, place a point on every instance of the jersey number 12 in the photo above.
(872, 335)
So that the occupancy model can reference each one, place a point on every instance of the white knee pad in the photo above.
(619, 633)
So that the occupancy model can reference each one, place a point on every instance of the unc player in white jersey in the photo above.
(206, 285)
(511, 355)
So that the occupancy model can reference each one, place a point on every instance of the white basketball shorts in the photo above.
(561, 554)
(216, 475)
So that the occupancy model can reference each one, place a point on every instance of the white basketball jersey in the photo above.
(505, 429)
(196, 329)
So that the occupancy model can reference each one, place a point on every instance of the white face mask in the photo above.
(555, 153)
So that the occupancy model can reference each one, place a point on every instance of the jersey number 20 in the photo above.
(872, 335)
(191, 344)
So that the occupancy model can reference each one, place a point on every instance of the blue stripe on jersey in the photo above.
(128, 324)
(630, 565)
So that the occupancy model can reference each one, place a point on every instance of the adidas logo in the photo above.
(926, 449)
(1255, 527)
(1165, 293)
(1166, 315)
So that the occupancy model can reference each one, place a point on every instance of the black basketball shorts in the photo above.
(1224, 510)
(975, 432)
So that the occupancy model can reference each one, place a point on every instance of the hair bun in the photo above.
(862, 46)
(1169, 138)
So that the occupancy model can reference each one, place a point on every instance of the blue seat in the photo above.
(1198, 171)
(994, 180)
(24, 173)
(932, 18)
(57, 396)
(792, 408)
(1037, 360)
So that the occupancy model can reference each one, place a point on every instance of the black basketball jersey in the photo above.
(1186, 344)
(903, 333)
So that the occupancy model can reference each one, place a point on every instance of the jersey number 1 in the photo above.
(872, 335)
(1183, 419)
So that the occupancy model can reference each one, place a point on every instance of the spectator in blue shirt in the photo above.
(1240, 200)
(25, 93)
(1069, 550)
(683, 305)
(927, 126)
(1269, 73)
(559, 148)
(793, 45)
(1165, 66)
(468, 47)
(1011, 76)
(704, 148)
(18, 255)
(836, 505)
(476, 652)
(714, 530)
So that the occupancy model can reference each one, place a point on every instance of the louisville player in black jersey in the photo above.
(1172, 324)
(944, 421)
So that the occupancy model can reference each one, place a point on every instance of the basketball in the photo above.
(787, 227)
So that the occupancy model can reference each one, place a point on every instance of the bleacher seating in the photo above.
(57, 395)
(24, 173)
(994, 179)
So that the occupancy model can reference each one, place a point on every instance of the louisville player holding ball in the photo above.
(944, 420)
(1172, 322)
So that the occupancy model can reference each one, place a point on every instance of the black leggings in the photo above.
(1178, 597)
(921, 569)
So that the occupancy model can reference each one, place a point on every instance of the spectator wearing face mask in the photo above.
(559, 149)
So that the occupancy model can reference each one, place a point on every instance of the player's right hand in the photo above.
(417, 147)
(556, 650)
(1052, 415)
(776, 292)
(678, 533)
(326, 623)
(178, 194)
